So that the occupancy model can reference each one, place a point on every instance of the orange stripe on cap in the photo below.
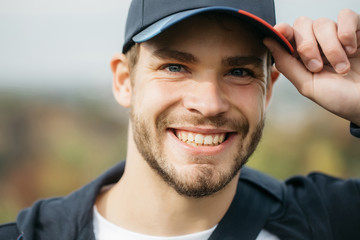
(266, 24)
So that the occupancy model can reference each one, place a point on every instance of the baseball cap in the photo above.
(148, 18)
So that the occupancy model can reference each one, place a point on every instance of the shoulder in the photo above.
(9, 231)
(301, 186)
(324, 186)
(317, 206)
(340, 198)
(68, 217)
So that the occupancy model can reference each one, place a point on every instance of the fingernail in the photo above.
(341, 67)
(314, 65)
(349, 49)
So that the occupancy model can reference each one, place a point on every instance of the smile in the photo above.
(200, 139)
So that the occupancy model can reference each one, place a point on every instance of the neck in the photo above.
(142, 202)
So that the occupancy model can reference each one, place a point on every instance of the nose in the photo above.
(206, 98)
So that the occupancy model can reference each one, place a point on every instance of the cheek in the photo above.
(250, 100)
(154, 97)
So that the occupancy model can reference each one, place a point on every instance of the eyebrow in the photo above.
(166, 53)
(241, 61)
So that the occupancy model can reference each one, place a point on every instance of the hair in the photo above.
(132, 56)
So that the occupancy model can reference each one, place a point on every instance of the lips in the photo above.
(200, 139)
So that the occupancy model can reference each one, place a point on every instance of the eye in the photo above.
(174, 71)
(241, 76)
(174, 68)
(241, 72)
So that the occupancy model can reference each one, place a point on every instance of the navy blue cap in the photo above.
(148, 18)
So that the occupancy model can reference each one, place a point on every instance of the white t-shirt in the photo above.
(105, 230)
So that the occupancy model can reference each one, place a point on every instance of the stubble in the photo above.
(204, 180)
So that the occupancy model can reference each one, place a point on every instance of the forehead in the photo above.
(211, 32)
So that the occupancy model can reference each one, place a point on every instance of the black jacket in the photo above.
(313, 207)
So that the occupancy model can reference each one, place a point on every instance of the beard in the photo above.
(204, 180)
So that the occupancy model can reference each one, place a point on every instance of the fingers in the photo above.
(291, 68)
(325, 31)
(286, 30)
(307, 45)
(324, 40)
(349, 30)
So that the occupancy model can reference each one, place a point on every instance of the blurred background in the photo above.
(60, 126)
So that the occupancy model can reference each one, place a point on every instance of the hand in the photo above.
(325, 66)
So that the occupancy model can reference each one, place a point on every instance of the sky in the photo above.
(66, 45)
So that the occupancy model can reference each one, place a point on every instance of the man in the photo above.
(198, 76)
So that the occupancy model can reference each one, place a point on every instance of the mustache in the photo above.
(239, 125)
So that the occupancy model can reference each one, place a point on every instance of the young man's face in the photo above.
(198, 100)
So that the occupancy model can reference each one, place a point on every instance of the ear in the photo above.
(274, 75)
(121, 79)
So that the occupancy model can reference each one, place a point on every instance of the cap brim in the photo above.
(163, 24)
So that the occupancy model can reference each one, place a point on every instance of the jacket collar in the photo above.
(71, 217)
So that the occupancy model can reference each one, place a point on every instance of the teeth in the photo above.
(197, 139)
(190, 137)
(221, 138)
(179, 135)
(183, 137)
(208, 140)
(216, 139)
